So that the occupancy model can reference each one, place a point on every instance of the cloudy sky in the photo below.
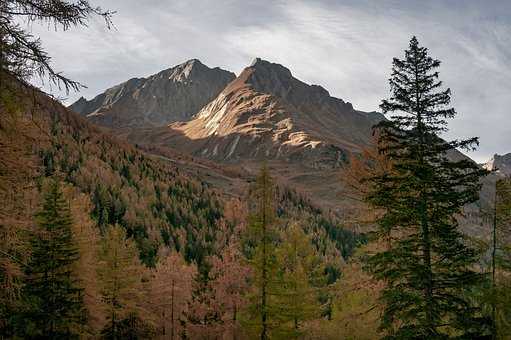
(346, 46)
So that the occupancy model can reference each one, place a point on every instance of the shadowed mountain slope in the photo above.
(168, 96)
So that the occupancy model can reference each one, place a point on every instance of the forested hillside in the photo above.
(150, 198)
(140, 198)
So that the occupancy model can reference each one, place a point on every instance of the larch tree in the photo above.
(23, 59)
(203, 318)
(501, 261)
(355, 185)
(18, 193)
(303, 277)
(53, 296)
(429, 267)
(229, 277)
(87, 238)
(120, 284)
(171, 291)
(262, 312)
(22, 56)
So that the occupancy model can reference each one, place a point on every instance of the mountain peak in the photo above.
(187, 70)
(170, 95)
(266, 113)
(193, 63)
(255, 61)
(261, 65)
(271, 78)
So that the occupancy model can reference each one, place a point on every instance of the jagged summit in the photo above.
(255, 61)
(174, 94)
(188, 70)
(265, 112)
(272, 78)
(264, 65)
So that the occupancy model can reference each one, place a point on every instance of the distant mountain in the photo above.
(500, 163)
(266, 113)
(171, 95)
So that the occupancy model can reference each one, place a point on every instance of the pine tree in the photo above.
(428, 265)
(262, 312)
(119, 276)
(54, 297)
(303, 276)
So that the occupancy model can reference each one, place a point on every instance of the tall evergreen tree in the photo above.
(262, 311)
(53, 295)
(428, 265)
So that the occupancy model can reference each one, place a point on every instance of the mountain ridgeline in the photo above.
(171, 95)
(499, 163)
(264, 113)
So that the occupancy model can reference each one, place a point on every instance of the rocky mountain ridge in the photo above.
(174, 94)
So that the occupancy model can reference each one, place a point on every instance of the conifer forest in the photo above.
(198, 203)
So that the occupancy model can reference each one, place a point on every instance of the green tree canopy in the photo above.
(428, 265)
(54, 299)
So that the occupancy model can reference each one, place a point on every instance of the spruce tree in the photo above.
(428, 266)
(54, 298)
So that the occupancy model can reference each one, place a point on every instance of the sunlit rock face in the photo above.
(266, 113)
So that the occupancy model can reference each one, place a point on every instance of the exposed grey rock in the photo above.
(171, 95)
